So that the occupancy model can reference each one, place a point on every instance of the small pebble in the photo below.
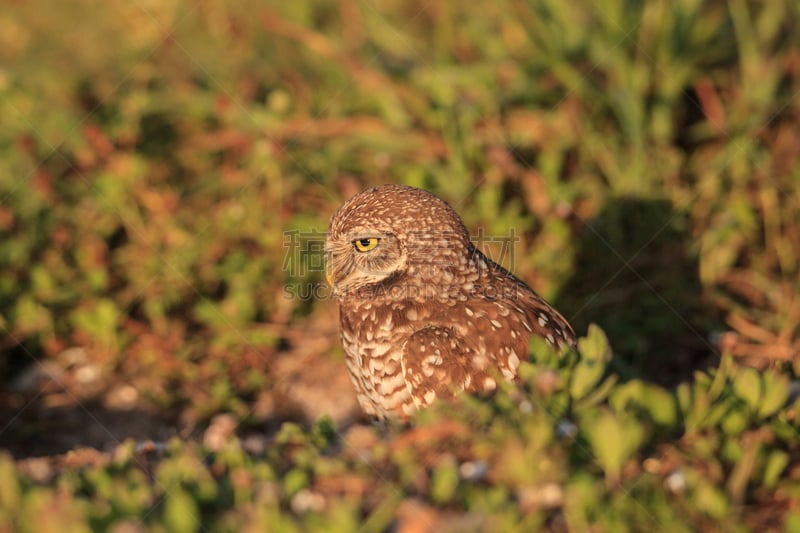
(306, 500)
(473, 470)
(566, 429)
(675, 482)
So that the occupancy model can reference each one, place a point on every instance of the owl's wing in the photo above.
(437, 363)
(543, 320)
(531, 312)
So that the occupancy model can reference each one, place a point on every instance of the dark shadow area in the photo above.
(635, 277)
(51, 405)
(43, 422)
(31, 428)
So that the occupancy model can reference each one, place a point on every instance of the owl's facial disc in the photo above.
(361, 259)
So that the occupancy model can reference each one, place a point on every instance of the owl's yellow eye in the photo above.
(365, 245)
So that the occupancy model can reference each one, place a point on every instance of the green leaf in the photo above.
(698, 409)
(683, 394)
(743, 471)
(595, 353)
(711, 500)
(776, 393)
(712, 416)
(747, 385)
(444, 481)
(31, 316)
(180, 512)
(584, 378)
(721, 375)
(9, 485)
(594, 346)
(324, 432)
(296, 479)
(382, 514)
(776, 463)
(101, 320)
(658, 403)
(614, 438)
(735, 422)
(792, 523)
(599, 393)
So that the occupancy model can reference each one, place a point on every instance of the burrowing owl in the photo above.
(423, 313)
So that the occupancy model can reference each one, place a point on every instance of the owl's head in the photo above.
(393, 234)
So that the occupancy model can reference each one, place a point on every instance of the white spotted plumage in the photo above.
(423, 313)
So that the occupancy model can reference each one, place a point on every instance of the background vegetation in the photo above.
(163, 166)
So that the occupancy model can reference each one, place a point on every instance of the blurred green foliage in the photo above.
(535, 456)
(153, 156)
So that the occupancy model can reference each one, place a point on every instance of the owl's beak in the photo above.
(329, 272)
(329, 279)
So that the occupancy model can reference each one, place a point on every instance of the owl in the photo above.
(423, 313)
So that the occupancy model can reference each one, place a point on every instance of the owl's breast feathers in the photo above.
(404, 352)
(439, 363)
